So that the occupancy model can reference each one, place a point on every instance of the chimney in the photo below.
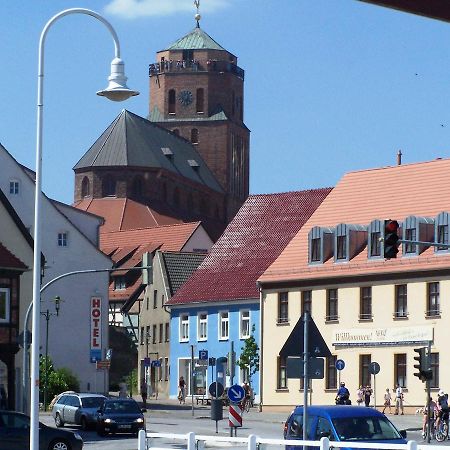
(399, 158)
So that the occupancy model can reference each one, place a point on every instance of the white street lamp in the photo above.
(117, 90)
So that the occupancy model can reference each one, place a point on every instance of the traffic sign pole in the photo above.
(305, 375)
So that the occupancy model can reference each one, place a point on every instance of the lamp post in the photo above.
(117, 90)
(47, 314)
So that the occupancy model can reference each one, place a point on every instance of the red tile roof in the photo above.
(10, 261)
(255, 237)
(421, 189)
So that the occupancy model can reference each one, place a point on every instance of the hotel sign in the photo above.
(365, 337)
(96, 329)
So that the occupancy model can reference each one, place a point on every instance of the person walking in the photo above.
(359, 396)
(182, 390)
(367, 395)
(398, 400)
(144, 393)
(387, 401)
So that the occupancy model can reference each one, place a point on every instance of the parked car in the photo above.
(120, 415)
(75, 408)
(15, 434)
(342, 423)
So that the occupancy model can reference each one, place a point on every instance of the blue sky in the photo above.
(331, 86)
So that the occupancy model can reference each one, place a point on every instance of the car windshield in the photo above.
(365, 429)
(122, 407)
(92, 402)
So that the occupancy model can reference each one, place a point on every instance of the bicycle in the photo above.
(246, 404)
(441, 433)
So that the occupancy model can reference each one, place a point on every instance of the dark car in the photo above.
(15, 434)
(120, 415)
(342, 423)
(77, 408)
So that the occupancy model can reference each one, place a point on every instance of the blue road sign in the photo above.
(374, 368)
(203, 355)
(216, 388)
(236, 393)
(156, 363)
(339, 364)
(147, 362)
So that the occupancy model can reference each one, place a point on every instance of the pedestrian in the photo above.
(398, 400)
(144, 393)
(433, 408)
(367, 394)
(182, 390)
(387, 400)
(359, 396)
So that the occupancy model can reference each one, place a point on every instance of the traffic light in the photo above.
(391, 238)
(424, 372)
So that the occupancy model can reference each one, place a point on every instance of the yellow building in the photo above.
(367, 308)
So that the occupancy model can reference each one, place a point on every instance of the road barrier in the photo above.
(147, 441)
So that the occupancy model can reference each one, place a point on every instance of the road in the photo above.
(171, 418)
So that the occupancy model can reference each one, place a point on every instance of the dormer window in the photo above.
(320, 244)
(341, 247)
(441, 231)
(410, 235)
(315, 249)
(417, 229)
(349, 241)
(376, 228)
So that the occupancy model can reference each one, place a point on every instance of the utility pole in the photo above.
(305, 375)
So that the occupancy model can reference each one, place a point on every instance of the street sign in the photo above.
(147, 362)
(374, 368)
(108, 354)
(203, 355)
(212, 389)
(294, 368)
(103, 364)
(339, 364)
(212, 361)
(156, 363)
(236, 393)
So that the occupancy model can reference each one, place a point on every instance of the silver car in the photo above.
(79, 409)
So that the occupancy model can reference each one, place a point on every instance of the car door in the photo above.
(14, 431)
(72, 404)
(324, 429)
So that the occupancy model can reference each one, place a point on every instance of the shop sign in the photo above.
(96, 329)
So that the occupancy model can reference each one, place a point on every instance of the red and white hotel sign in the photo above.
(96, 327)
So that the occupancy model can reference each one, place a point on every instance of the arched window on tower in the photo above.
(138, 187)
(194, 136)
(109, 186)
(85, 187)
(172, 101)
(200, 100)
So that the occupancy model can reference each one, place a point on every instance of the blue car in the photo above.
(342, 423)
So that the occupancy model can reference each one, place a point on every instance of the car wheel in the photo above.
(84, 423)
(59, 444)
(58, 421)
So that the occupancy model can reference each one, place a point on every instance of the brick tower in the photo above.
(197, 91)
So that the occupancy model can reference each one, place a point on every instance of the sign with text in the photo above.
(96, 326)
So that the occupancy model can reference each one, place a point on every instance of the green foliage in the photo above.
(132, 380)
(124, 358)
(249, 358)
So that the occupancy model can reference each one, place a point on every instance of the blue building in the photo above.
(217, 309)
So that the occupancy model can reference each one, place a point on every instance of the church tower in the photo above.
(197, 92)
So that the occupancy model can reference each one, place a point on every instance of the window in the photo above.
(375, 244)
(138, 187)
(433, 306)
(161, 332)
(365, 305)
(442, 236)
(172, 97)
(283, 309)
(341, 247)
(160, 369)
(62, 239)
(155, 299)
(147, 334)
(434, 364)
(245, 324)
(281, 371)
(142, 336)
(441, 231)
(400, 369)
(332, 305)
(147, 301)
(162, 301)
(202, 331)
(154, 334)
(331, 374)
(4, 305)
(166, 369)
(109, 186)
(315, 249)
(224, 329)
(200, 100)
(364, 375)
(194, 136)
(14, 187)
(410, 235)
(401, 301)
(167, 332)
(120, 283)
(85, 187)
(184, 328)
(306, 302)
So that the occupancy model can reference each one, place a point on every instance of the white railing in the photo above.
(147, 441)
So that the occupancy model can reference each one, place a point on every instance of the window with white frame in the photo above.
(184, 328)
(62, 239)
(245, 324)
(4, 305)
(14, 187)
(224, 325)
(202, 330)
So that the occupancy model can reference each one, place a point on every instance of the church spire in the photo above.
(197, 16)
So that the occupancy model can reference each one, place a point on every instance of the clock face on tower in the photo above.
(185, 98)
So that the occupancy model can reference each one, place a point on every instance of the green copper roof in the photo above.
(156, 116)
(197, 39)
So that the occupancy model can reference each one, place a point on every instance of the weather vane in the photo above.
(197, 16)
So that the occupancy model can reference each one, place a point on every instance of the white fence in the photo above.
(149, 441)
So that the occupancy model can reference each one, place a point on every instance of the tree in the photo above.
(249, 358)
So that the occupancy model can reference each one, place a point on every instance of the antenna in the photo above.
(197, 16)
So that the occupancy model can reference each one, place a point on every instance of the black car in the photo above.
(120, 415)
(15, 434)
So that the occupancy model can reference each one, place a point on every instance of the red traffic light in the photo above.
(391, 226)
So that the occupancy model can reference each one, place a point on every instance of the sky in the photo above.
(330, 86)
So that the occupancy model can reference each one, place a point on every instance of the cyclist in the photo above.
(442, 408)
(247, 398)
(425, 416)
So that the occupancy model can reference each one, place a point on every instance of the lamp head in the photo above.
(117, 89)
(57, 301)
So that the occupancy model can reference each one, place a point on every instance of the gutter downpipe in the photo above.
(261, 346)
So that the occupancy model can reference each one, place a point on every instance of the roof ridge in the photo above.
(196, 223)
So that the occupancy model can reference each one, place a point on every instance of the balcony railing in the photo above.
(180, 66)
